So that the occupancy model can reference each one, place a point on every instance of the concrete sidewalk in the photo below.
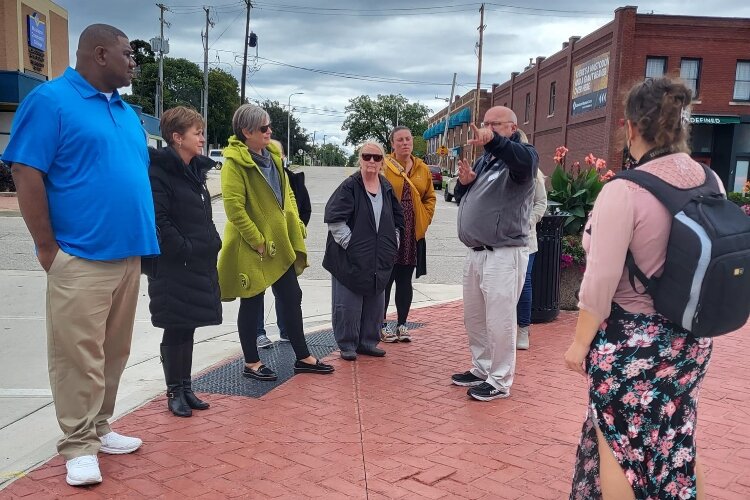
(396, 428)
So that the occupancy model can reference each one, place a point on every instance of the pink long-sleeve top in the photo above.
(626, 216)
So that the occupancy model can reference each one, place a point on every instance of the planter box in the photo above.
(570, 284)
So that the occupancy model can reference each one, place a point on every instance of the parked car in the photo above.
(450, 190)
(437, 176)
(215, 155)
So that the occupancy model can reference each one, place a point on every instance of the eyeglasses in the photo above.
(494, 124)
(264, 128)
(372, 157)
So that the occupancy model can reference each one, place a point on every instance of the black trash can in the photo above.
(545, 276)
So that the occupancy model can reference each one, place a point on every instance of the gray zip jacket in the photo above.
(496, 207)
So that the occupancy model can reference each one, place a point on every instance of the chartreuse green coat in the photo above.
(255, 217)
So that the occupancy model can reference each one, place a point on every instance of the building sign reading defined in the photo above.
(589, 90)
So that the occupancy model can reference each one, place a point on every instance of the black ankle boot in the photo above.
(171, 360)
(187, 384)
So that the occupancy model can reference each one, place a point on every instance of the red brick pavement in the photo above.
(396, 428)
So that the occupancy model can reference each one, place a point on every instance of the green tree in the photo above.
(183, 84)
(332, 155)
(369, 118)
(278, 117)
(223, 101)
(142, 52)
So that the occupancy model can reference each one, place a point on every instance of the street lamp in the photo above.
(288, 125)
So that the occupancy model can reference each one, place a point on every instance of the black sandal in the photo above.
(263, 373)
(318, 367)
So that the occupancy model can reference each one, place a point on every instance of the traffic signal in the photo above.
(252, 40)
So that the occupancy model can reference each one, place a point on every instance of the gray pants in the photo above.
(356, 319)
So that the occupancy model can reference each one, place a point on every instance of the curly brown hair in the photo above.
(655, 107)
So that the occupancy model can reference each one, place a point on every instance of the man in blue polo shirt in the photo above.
(80, 163)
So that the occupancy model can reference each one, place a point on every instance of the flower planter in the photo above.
(570, 283)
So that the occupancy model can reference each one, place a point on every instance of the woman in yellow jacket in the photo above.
(412, 182)
(263, 240)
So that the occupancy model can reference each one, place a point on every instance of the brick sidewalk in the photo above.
(396, 428)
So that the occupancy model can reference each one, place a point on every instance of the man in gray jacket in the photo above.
(493, 221)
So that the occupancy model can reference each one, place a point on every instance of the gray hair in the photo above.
(371, 143)
(250, 117)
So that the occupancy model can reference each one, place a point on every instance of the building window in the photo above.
(742, 81)
(690, 70)
(656, 67)
(552, 94)
(527, 112)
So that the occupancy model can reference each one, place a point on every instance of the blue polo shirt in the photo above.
(95, 157)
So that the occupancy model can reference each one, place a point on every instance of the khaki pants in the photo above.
(493, 280)
(90, 313)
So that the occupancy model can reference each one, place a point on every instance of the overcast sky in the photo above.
(415, 42)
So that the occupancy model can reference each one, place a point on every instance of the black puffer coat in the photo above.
(365, 266)
(183, 283)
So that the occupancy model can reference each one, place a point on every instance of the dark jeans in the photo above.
(286, 290)
(401, 275)
(178, 336)
(279, 321)
(523, 309)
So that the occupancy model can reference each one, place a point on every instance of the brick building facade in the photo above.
(575, 96)
(462, 114)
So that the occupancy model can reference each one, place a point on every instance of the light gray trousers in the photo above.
(356, 318)
(493, 280)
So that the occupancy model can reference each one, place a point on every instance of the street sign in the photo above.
(442, 151)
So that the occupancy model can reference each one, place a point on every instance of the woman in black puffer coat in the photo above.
(183, 282)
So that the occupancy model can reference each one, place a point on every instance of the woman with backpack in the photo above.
(644, 371)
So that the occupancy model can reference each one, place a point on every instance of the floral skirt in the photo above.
(644, 375)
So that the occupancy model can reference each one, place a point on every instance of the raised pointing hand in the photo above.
(480, 136)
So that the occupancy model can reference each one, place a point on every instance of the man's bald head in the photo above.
(99, 35)
(104, 57)
(502, 120)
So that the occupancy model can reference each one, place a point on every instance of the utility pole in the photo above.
(324, 149)
(444, 142)
(244, 59)
(205, 72)
(477, 119)
(160, 84)
(288, 126)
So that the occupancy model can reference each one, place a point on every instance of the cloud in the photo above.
(425, 44)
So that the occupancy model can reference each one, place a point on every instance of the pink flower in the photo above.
(746, 209)
(606, 177)
(600, 164)
(670, 408)
(590, 159)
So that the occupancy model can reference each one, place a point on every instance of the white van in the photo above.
(215, 155)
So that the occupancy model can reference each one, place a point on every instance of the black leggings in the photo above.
(178, 336)
(286, 290)
(404, 293)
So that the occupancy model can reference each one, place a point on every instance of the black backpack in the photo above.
(705, 285)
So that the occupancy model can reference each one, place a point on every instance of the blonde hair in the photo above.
(279, 145)
(371, 143)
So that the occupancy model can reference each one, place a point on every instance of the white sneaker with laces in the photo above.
(403, 334)
(387, 335)
(116, 444)
(83, 470)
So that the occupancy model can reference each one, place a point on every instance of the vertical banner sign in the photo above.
(35, 51)
(590, 84)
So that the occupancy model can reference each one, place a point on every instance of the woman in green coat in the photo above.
(264, 242)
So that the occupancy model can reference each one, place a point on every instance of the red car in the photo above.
(437, 177)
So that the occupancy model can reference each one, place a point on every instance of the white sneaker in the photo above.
(387, 335)
(522, 338)
(115, 444)
(403, 334)
(83, 470)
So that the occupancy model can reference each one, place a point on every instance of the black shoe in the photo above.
(371, 351)
(466, 379)
(171, 361)
(263, 373)
(487, 392)
(191, 399)
(348, 355)
(318, 367)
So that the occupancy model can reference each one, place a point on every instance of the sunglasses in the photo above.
(264, 128)
(372, 157)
